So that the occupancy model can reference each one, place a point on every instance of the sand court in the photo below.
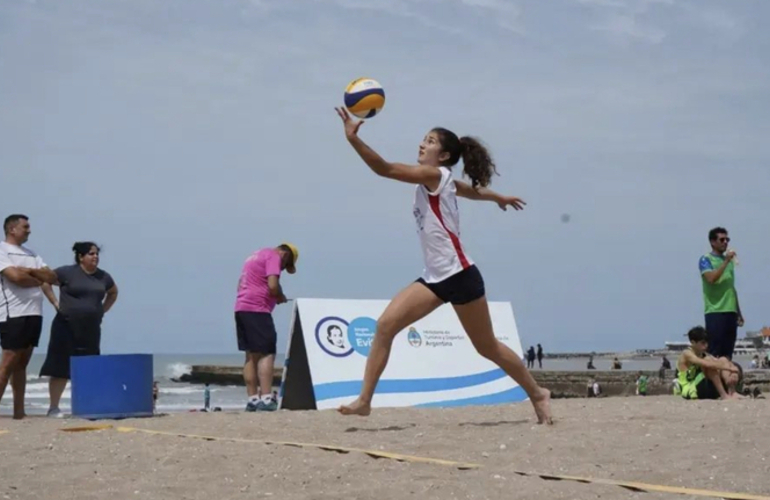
(471, 452)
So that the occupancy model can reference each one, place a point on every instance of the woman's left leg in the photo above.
(57, 362)
(477, 323)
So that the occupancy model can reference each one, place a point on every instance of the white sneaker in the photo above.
(55, 413)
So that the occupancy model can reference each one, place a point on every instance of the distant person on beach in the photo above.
(21, 308)
(450, 276)
(665, 365)
(540, 356)
(722, 311)
(700, 375)
(593, 388)
(590, 364)
(641, 384)
(259, 291)
(616, 365)
(531, 357)
(86, 293)
(733, 379)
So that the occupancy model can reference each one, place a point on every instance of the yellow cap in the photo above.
(291, 269)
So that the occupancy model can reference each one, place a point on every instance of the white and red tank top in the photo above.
(438, 225)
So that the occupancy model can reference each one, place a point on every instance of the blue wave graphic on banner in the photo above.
(349, 388)
(514, 395)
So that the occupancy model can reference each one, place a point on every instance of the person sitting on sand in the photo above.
(699, 373)
(734, 380)
(596, 388)
(641, 384)
(616, 365)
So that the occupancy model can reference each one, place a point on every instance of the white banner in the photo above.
(432, 363)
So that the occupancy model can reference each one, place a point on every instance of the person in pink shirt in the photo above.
(259, 291)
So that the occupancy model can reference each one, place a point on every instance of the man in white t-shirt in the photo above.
(21, 308)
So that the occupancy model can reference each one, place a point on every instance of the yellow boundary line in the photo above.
(630, 485)
(646, 487)
(84, 428)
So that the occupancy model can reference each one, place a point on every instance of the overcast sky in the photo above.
(182, 135)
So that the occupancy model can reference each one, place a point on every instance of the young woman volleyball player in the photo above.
(450, 275)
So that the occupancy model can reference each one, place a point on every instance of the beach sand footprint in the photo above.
(495, 424)
(392, 428)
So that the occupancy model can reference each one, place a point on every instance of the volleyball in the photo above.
(364, 97)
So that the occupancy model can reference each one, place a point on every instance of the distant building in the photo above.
(677, 346)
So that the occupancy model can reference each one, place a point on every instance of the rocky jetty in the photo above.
(563, 384)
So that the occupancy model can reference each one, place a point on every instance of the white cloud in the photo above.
(404, 8)
(442, 14)
(603, 3)
(506, 13)
(627, 19)
(628, 25)
(715, 19)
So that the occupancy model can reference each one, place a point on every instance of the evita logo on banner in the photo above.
(432, 363)
(340, 338)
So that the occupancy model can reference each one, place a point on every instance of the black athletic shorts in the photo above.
(74, 335)
(256, 332)
(461, 288)
(707, 390)
(20, 333)
(722, 330)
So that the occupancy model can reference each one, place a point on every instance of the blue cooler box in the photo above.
(111, 386)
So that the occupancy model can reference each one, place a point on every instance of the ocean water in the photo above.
(182, 397)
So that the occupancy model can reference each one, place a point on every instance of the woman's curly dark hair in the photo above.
(478, 165)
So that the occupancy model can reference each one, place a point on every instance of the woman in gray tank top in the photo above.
(86, 292)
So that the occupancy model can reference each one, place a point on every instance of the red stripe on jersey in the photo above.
(435, 206)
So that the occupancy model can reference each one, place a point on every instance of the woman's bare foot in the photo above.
(542, 404)
(357, 407)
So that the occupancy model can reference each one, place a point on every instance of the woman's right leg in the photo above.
(411, 304)
(477, 323)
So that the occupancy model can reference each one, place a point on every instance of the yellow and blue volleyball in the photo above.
(364, 97)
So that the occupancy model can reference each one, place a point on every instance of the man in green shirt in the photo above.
(723, 313)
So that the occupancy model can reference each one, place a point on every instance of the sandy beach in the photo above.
(662, 440)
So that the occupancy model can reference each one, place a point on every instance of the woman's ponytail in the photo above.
(477, 162)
